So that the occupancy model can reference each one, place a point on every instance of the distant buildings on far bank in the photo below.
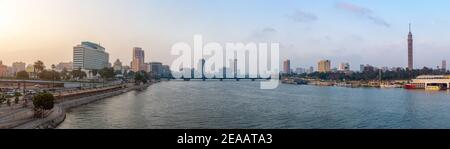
(325, 66)
(345, 67)
(89, 56)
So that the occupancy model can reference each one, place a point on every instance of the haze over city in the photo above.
(358, 32)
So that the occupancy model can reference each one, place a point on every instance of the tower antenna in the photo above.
(409, 27)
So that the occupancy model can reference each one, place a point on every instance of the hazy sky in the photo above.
(354, 31)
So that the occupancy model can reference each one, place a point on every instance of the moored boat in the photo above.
(433, 88)
(410, 86)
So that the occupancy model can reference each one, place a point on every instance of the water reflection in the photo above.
(229, 104)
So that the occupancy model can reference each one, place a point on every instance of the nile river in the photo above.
(230, 104)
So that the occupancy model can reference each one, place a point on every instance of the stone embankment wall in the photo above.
(58, 115)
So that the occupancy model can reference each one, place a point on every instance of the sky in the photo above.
(354, 31)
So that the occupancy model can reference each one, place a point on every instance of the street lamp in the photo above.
(53, 76)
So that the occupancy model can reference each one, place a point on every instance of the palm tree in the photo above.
(53, 75)
(38, 66)
(64, 74)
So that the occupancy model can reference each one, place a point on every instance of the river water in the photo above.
(231, 104)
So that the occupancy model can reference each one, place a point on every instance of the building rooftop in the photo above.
(92, 45)
(433, 77)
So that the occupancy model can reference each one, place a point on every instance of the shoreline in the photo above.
(58, 113)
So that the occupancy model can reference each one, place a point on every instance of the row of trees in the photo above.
(106, 73)
(401, 74)
(44, 74)
(53, 75)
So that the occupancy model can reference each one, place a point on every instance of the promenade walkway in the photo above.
(18, 116)
(23, 118)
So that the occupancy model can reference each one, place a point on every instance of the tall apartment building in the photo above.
(137, 63)
(444, 65)
(287, 67)
(3, 70)
(324, 66)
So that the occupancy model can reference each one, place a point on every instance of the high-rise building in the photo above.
(147, 67)
(324, 66)
(287, 67)
(344, 67)
(410, 49)
(311, 69)
(166, 71)
(203, 67)
(137, 64)
(234, 69)
(18, 67)
(444, 65)
(90, 56)
(156, 68)
(117, 65)
(3, 70)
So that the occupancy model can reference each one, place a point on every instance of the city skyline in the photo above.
(357, 32)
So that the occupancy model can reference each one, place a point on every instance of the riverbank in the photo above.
(349, 84)
(58, 113)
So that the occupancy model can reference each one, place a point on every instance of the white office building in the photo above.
(90, 56)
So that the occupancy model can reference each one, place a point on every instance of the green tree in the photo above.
(43, 101)
(49, 75)
(53, 67)
(107, 73)
(138, 78)
(65, 74)
(130, 74)
(78, 74)
(146, 76)
(38, 66)
(22, 75)
(141, 77)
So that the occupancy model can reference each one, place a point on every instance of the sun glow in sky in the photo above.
(354, 31)
(7, 17)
